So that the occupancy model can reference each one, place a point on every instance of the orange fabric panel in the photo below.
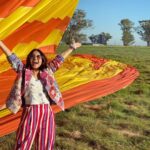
(48, 49)
(8, 6)
(12, 121)
(35, 31)
(6, 77)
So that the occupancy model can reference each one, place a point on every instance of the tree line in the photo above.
(79, 22)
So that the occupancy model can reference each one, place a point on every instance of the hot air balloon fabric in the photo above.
(29, 24)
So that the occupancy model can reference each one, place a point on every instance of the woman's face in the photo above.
(36, 60)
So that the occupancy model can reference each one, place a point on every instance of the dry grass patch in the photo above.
(129, 133)
(126, 132)
(76, 134)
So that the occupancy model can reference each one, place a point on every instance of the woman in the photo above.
(35, 89)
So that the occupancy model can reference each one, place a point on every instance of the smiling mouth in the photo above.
(35, 62)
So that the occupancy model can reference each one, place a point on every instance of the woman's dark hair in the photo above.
(44, 60)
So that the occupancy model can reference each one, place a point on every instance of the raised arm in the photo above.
(8, 53)
(15, 62)
(59, 59)
(72, 47)
(5, 49)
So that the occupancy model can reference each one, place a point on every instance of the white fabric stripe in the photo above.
(40, 135)
(43, 133)
(52, 133)
(38, 110)
(47, 123)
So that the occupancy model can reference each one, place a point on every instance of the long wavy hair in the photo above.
(44, 60)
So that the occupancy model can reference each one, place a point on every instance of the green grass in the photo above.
(122, 121)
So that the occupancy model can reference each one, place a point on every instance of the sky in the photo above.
(106, 15)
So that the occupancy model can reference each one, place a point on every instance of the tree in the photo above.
(127, 36)
(104, 37)
(144, 30)
(93, 38)
(77, 23)
(101, 38)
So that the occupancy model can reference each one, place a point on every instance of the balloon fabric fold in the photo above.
(29, 24)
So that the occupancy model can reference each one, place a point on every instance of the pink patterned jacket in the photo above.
(14, 101)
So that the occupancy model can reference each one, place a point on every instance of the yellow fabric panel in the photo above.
(4, 112)
(53, 38)
(4, 65)
(77, 71)
(13, 21)
(48, 9)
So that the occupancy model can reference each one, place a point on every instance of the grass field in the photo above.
(120, 121)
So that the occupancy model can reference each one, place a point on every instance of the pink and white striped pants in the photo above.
(37, 122)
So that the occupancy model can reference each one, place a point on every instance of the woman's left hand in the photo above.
(75, 45)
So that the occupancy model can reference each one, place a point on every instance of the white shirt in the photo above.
(34, 93)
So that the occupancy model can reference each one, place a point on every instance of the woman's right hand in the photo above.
(1, 44)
